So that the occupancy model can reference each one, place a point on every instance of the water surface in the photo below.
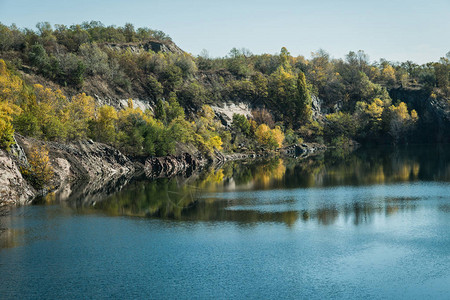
(372, 224)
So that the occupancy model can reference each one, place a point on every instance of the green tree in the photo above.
(340, 124)
(160, 111)
(241, 123)
(303, 106)
(174, 109)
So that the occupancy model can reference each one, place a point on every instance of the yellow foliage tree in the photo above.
(375, 109)
(47, 106)
(10, 88)
(399, 121)
(278, 136)
(105, 124)
(216, 142)
(41, 170)
(7, 111)
(10, 85)
(262, 133)
(54, 100)
(388, 74)
(77, 114)
(270, 138)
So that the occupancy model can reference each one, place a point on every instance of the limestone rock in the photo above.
(14, 189)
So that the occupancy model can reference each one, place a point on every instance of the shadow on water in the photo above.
(279, 190)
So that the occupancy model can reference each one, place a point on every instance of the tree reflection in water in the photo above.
(206, 196)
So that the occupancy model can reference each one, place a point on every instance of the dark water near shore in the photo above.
(371, 224)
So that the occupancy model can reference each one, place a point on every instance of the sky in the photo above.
(396, 30)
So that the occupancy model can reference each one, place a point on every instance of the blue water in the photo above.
(386, 240)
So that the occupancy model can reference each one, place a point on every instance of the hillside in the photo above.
(318, 99)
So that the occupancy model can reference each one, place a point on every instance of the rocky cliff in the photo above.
(433, 110)
(83, 168)
(14, 189)
(169, 166)
(151, 45)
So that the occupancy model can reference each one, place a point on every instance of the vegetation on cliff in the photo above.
(48, 78)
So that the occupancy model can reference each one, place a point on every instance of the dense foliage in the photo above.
(357, 97)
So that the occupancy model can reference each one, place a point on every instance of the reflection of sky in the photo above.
(342, 205)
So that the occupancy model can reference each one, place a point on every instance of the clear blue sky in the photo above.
(397, 30)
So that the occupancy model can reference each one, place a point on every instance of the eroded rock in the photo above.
(14, 189)
(169, 166)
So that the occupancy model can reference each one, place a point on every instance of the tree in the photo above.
(442, 71)
(154, 87)
(388, 74)
(340, 124)
(160, 111)
(174, 109)
(241, 123)
(263, 116)
(271, 139)
(282, 94)
(38, 57)
(77, 115)
(41, 171)
(399, 122)
(284, 57)
(278, 135)
(369, 118)
(303, 105)
(129, 33)
(105, 125)
(7, 111)
(43, 114)
(95, 60)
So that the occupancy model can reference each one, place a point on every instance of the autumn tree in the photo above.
(399, 122)
(77, 115)
(270, 138)
(388, 74)
(7, 112)
(40, 171)
(104, 125)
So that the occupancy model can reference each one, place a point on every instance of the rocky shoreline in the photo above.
(93, 164)
(91, 169)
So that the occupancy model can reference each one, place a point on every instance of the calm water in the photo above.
(372, 224)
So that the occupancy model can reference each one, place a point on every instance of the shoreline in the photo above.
(90, 168)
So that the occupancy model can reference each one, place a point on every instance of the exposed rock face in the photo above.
(14, 189)
(169, 166)
(119, 104)
(225, 113)
(316, 108)
(152, 45)
(83, 167)
(434, 112)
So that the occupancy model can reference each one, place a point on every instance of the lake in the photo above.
(374, 223)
